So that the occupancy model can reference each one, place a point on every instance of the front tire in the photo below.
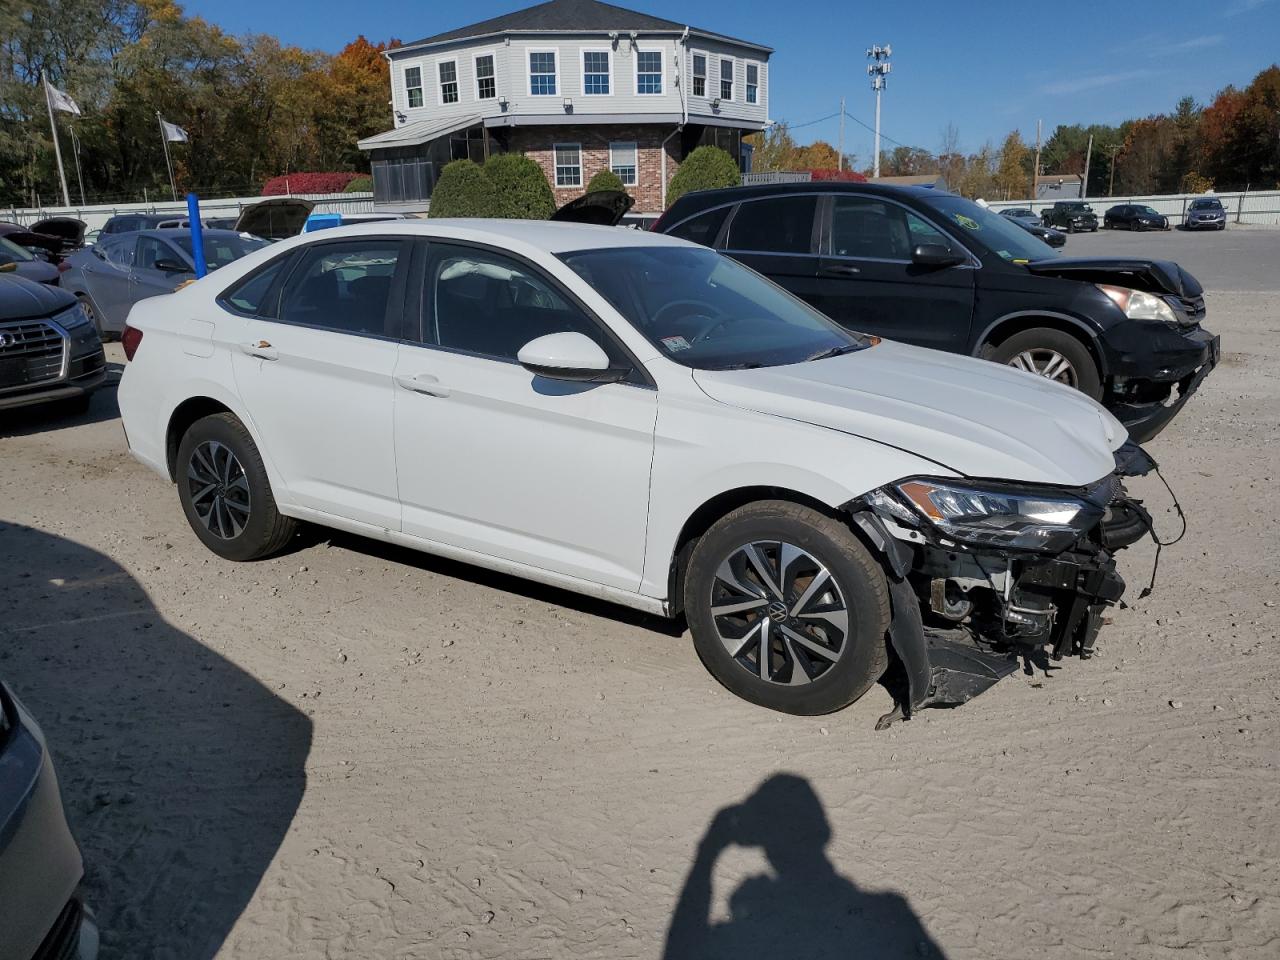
(87, 306)
(1052, 354)
(225, 493)
(787, 608)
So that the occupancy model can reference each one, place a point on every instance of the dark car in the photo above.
(1134, 216)
(1206, 213)
(118, 271)
(49, 349)
(130, 222)
(19, 260)
(1073, 216)
(939, 271)
(41, 914)
(1023, 215)
(1054, 238)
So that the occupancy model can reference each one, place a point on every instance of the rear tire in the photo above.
(225, 493)
(820, 609)
(1036, 347)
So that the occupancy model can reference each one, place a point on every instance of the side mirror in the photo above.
(936, 255)
(165, 265)
(569, 356)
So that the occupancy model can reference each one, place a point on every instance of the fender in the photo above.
(1075, 322)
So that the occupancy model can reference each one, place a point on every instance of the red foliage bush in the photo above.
(296, 183)
(847, 175)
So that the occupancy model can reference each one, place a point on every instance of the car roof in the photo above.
(711, 198)
(552, 236)
(171, 233)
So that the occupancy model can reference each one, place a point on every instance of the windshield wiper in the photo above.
(834, 351)
(745, 365)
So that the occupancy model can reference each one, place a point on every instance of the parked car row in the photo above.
(1204, 213)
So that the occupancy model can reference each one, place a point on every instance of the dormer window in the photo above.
(413, 85)
(542, 73)
(596, 76)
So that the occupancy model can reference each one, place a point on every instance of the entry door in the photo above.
(869, 284)
(496, 460)
(316, 377)
(107, 279)
(777, 236)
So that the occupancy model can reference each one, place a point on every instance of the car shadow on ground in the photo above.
(180, 772)
(806, 909)
(59, 415)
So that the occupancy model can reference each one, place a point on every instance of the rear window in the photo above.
(250, 295)
(775, 225)
(703, 229)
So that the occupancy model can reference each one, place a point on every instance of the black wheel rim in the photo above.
(219, 490)
(779, 613)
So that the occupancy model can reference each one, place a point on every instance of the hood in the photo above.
(603, 207)
(32, 241)
(275, 219)
(1153, 276)
(67, 229)
(21, 298)
(41, 271)
(976, 418)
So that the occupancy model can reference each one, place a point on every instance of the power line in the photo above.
(883, 135)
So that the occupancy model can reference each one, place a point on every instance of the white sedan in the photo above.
(638, 418)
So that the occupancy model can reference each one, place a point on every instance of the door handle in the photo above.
(423, 383)
(840, 270)
(260, 349)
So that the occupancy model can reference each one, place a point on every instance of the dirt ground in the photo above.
(356, 751)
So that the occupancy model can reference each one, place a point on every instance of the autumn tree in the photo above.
(1011, 176)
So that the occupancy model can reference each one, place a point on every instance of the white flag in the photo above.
(174, 133)
(61, 101)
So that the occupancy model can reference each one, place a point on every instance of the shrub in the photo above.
(296, 183)
(520, 186)
(463, 190)
(707, 168)
(359, 185)
(606, 179)
(848, 176)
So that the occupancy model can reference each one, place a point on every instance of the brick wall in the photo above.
(537, 142)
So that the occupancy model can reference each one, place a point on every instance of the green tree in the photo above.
(520, 186)
(605, 179)
(464, 190)
(706, 168)
(773, 149)
(1011, 178)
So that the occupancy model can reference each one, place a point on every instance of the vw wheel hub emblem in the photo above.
(778, 611)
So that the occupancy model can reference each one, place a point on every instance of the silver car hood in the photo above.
(977, 418)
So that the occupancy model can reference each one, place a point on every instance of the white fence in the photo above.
(95, 215)
(1262, 207)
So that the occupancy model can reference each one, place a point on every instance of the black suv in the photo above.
(49, 349)
(129, 222)
(936, 270)
(1072, 216)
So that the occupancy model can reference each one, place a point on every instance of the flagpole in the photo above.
(164, 138)
(75, 149)
(57, 149)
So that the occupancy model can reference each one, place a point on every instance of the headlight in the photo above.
(1138, 304)
(989, 516)
(71, 319)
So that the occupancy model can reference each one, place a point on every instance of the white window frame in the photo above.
(635, 155)
(582, 62)
(733, 77)
(528, 71)
(747, 84)
(706, 69)
(421, 87)
(457, 83)
(475, 73)
(662, 71)
(555, 165)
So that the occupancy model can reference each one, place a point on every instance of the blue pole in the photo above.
(197, 234)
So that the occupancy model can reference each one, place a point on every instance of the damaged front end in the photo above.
(984, 573)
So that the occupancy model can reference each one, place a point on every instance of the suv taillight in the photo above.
(130, 340)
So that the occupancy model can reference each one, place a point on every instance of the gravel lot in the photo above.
(356, 751)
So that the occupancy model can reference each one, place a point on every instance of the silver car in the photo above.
(1206, 213)
(121, 269)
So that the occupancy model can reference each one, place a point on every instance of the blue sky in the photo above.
(975, 65)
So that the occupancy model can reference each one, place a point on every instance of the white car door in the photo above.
(494, 459)
(315, 373)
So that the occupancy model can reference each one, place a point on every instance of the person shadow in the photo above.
(181, 774)
(806, 910)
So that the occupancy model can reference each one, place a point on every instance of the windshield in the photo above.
(1149, 211)
(706, 311)
(1206, 204)
(10, 252)
(996, 233)
(221, 249)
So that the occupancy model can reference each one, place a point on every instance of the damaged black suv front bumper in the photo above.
(963, 618)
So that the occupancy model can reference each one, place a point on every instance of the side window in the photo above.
(119, 252)
(776, 225)
(151, 249)
(343, 286)
(250, 294)
(704, 228)
(923, 232)
(485, 303)
(870, 229)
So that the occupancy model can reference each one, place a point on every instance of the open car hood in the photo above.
(275, 219)
(1153, 276)
(603, 207)
(977, 418)
(67, 229)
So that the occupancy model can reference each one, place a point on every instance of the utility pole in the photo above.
(1035, 168)
(840, 166)
(1111, 181)
(1088, 155)
(878, 70)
